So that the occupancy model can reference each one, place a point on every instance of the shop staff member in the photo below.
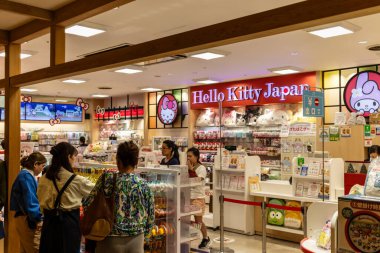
(198, 193)
(170, 151)
(374, 152)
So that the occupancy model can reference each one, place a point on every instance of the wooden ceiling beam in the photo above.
(284, 19)
(27, 10)
(4, 37)
(67, 15)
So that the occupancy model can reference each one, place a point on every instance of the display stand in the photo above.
(244, 221)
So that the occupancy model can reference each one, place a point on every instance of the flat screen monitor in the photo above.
(69, 112)
(39, 111)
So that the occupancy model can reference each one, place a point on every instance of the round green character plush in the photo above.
(276, 216)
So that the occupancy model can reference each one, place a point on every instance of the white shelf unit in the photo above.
(181, 195)
(244, 221)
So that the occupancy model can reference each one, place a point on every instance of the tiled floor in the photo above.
(252, 244)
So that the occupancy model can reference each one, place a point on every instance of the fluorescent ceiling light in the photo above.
(61, 100)
(150, 89)
(74, 81)
(285, 70)
(128, 71)
(332, 30)
(100, 96)
(205, 81)
(28, 90)
(208, 55)
(22, 55)
(363, 42)
(83, 31)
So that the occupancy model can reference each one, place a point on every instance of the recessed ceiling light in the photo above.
(74, 81)
(100, 96)
(129, 71)
(332, 30)
(28, 90)
(285, 70)
(208, 55)
(83, 31)
(61, 100)
(363, 42)
(150, 89)
(22, 55)
(205, 81)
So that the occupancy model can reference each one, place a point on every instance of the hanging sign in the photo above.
(367, 132)
(167, 109)
(345, 131)
(334, 133)
(313, 103)
(300, 129)
(268, 90)
(362, 93)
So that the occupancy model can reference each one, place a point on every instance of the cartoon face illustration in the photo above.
(167, 109)
(276, 217)
(365, 98)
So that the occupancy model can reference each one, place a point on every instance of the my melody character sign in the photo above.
(362, 93)
(167, 109)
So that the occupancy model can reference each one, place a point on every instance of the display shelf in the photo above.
(229, 190)
(191, 184)
(230, 170)
(190, 239)
(310, 177)
(289, 197)
(191, 213)
(285, 229)
(208, 151)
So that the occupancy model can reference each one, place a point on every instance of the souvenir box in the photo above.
(358, 224)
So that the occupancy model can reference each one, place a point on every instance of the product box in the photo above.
(358, 224)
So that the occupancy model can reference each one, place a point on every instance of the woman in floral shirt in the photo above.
(134, 204)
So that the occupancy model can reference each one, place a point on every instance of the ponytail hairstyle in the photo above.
(174, 148)
(34, 158)
(195, 152)
(61, 153)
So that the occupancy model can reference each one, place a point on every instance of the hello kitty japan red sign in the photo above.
(362, 93)
(268, 90)
(167, 109)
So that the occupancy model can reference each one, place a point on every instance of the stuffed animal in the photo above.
(229, 117)
(360, 120)
(293, 219)
(279, 117)
(240, 119)
(206, 118)
(276, 216)
(264, 118)
(252, 114)
(340, 118)
(352, 119)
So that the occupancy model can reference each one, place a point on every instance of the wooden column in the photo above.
(12, 136)
(57, 45)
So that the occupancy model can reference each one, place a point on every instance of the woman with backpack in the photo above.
(133, 204)
(60, 193)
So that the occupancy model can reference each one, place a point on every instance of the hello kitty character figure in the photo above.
(364, 98)
(167, 109)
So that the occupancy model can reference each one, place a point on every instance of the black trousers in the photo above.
(60, 232)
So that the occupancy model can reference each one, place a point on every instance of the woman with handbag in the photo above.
(133, 204)
(24, 202)
(60, 193)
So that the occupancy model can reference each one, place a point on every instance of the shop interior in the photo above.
(258, 145)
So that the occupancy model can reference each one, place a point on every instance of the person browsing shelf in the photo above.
(170, 151)
(134, 204)
(374, 152)
(60, 193)
(198, 193)
(25, 203)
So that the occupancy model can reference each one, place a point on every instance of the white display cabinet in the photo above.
(236, 217)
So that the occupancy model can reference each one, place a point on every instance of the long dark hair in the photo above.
(34, 158)
(196, 153)
(127, 154)
(61, 153)
(174, 148)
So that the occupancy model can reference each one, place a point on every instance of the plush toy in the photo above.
(352, 119)
(280, 117)
(252, 114)
(264, 118)
(340, 118)
(276, 216)
(240, 119)
(360, 120)
(293, 219)
(229, 117)
(205, 118)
